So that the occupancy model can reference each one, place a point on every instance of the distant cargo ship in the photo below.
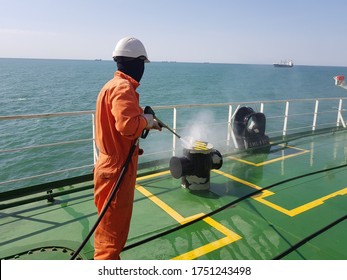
(287, 63)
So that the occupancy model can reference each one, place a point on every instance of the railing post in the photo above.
(339, 115)
(95, 149)
(314, 124)
(262, 107)
(229, 124)
(285, 119)
(232, 116)
(174, 126)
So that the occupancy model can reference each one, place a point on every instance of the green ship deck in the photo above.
(286, 203)
(259, 206)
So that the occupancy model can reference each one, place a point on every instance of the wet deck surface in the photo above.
(254, 223)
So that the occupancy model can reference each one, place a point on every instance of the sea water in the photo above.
(39, 86)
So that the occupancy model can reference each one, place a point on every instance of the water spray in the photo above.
(149, 110)
(198, 159)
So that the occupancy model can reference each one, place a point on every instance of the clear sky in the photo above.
(311, 32)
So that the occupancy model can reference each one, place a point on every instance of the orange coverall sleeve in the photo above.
(127, 112)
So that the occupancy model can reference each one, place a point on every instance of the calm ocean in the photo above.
(35, 86)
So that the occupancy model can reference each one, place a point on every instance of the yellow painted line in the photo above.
(230, 236)
(281, 158)
(293, 212)
(291, 147)
(273, 206)
(234, 178)
(303, 208)
(160, 203)
(154, 175)
(242, 160)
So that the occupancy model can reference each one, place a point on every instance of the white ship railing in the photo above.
(283, 117)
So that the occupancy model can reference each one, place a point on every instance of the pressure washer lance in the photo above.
(149, 110)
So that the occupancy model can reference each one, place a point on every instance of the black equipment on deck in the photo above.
(249, 129)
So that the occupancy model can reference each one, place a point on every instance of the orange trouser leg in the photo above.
(112, 232)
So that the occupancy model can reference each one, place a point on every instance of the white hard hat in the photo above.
(130, 47)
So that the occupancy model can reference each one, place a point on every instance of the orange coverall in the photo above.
(118, 124)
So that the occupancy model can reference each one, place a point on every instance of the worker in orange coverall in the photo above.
(119, 122)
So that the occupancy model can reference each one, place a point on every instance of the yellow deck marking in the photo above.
(302, 151)
(293, 212)
(230, 236)
(260, 198)
(153, 175)
(266, 192)
(169, 210)
(303, 208)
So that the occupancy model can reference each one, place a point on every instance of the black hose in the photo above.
(110, 198)
(308, 238)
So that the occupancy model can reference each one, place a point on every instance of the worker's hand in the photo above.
(152, 123)
(156, 125)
